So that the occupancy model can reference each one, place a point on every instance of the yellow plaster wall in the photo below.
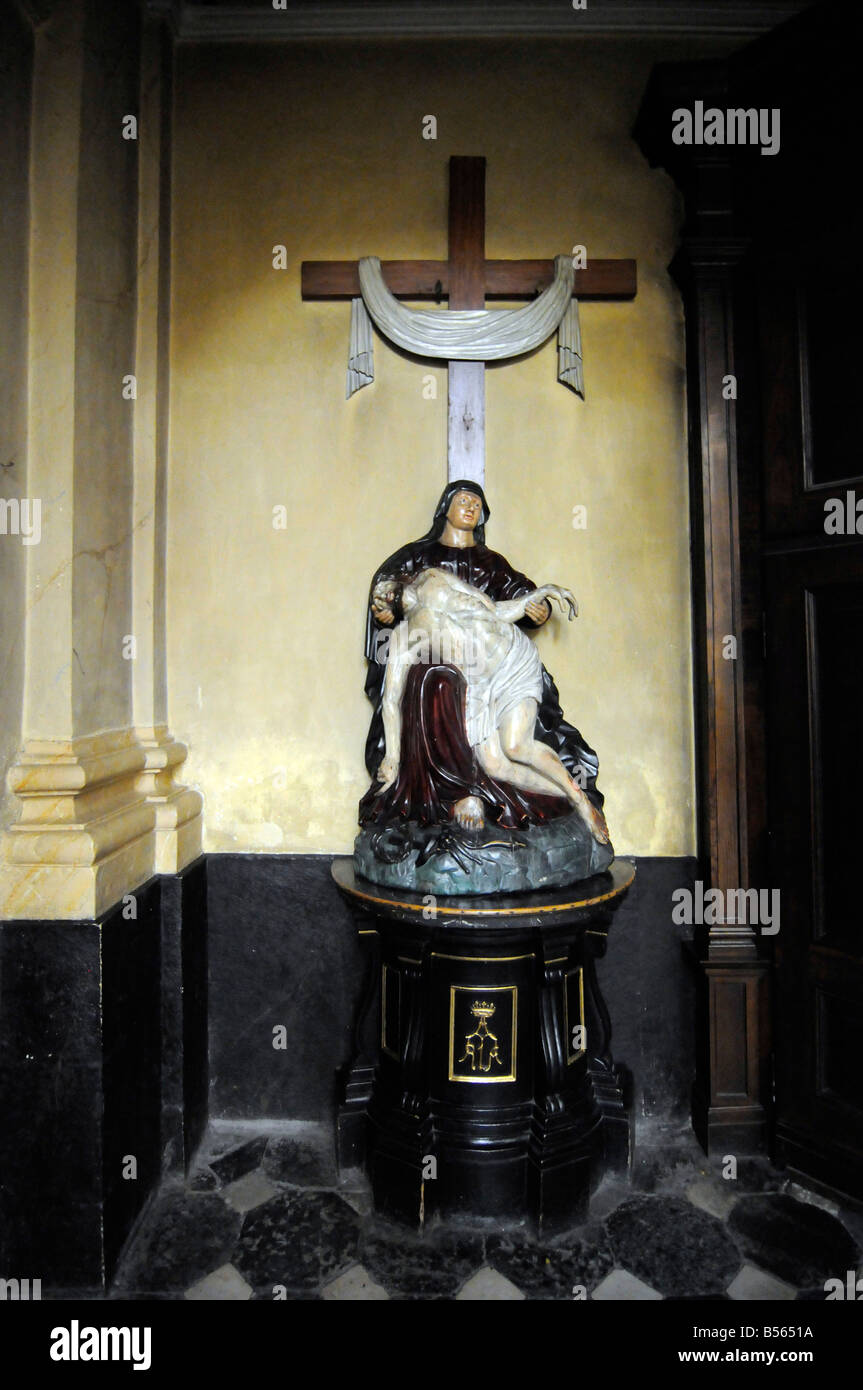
(321, 149)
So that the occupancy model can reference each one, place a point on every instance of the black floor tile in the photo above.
(551, 1271)
(795, 1241)
(299, 1239)
(186, 1237)
(672, 1246)
(433, 1266)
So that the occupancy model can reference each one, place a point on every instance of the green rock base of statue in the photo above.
(446, 860)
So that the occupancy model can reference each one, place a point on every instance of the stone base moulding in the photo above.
(100, 815)
(178, 808)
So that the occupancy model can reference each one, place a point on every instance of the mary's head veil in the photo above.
(443, 506)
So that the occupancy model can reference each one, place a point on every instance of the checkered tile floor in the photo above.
(264, 1216)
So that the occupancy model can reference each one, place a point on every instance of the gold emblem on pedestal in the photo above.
(481, 1047)
(486, 1056)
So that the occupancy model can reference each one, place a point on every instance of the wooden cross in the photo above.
(466, 279)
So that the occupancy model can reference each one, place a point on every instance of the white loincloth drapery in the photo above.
(466, 335)
(490, 694)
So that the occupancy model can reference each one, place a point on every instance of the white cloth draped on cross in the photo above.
(466, 335)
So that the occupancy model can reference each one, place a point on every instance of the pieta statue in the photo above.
(479, 785)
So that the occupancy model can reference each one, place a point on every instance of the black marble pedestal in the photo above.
(482, 1081)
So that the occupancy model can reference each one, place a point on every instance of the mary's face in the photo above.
(465, 510)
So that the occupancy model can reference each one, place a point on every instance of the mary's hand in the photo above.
(539, 611)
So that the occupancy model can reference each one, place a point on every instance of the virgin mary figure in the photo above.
(440, 781)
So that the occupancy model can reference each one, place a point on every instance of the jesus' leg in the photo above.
(494, 761)
(522, 749)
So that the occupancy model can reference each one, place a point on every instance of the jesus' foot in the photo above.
(468, 813)
(594, 818)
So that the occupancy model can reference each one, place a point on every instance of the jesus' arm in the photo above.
(506, 582)
(400, 659)
(511, 610)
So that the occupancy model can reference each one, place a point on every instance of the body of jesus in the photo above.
(503, 677)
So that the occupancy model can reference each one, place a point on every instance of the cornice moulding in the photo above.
(612, 18)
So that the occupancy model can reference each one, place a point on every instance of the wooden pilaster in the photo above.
(731, 1092)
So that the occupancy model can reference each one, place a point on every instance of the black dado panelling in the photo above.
(282, 951)
(50, 1102)
(79, 1089)
(102, 1048)
(195, 987)
(49, 991)
(650, 991)
(132, 1052)
(171, 1012)
(184, 1014)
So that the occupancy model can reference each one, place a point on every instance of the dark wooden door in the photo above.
(768, 270)
(813, 593)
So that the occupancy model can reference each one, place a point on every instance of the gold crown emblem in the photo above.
(480, 1009)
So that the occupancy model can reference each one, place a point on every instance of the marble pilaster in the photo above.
(93, 783)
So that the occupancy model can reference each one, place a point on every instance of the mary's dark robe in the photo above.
(438, 766)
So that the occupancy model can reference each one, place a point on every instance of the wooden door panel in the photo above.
(815, 816)
(810, 364)
(839, 1049)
